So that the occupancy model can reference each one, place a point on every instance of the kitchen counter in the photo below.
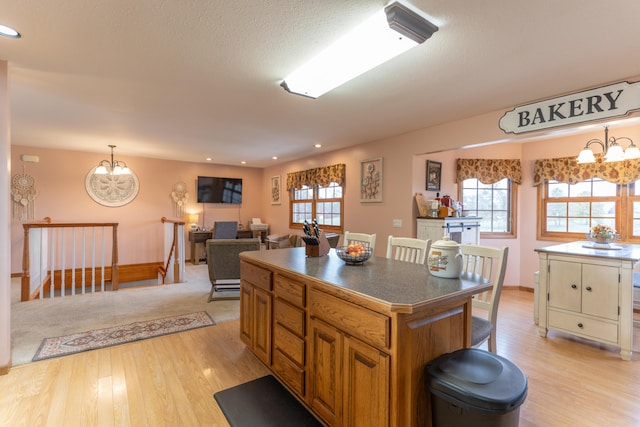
(400, 286)
(352, 341)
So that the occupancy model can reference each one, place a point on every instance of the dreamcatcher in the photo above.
(23, 193)
(179, 196)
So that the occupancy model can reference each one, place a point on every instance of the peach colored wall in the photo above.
(60, 177)
(404, 169)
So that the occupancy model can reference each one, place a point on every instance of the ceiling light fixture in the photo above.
(612, 151)
(9, 32)
(113, 167)
(390, 32)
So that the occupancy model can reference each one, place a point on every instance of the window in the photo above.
(324, 204)
(494, 203)
(568, 211)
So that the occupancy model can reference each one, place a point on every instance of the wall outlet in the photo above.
(397, 223)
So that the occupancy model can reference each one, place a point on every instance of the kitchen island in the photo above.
(352, 341)
(587, 291)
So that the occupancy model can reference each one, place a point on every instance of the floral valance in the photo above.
(318, 176)
(567, 170)
(489, 171)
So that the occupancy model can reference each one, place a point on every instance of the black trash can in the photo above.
(472, 387)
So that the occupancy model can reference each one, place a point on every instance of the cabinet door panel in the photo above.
(600, 291)
(246, 330)
(366, 388)
(325, 372)
(262, 324)
(565, 280)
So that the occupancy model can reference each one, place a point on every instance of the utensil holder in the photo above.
(316, 250)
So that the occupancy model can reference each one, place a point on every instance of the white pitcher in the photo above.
(445, 259)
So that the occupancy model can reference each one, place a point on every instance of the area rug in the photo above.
(99, 338)
(263, 403)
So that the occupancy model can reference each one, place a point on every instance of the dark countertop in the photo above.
(401, 286)
(584, 248)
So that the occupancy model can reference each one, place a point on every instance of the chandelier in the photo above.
(113, 167)
(611, 149)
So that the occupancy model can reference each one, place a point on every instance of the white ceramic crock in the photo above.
(445, 259)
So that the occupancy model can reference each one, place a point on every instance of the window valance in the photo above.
(319, 176)
(568, 171)
(489, 171)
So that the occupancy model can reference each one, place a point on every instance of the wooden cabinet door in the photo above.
(600, 290)
(565, 285)
(246, 325)
(325, 372)
(366, 387)
(261, 306)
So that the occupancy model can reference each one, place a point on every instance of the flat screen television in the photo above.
(219, 190)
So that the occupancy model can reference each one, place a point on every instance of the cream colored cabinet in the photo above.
(583, 299)
(588, 293)
(465, 230)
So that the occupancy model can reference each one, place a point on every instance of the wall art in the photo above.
(371, 180)
(434, 175)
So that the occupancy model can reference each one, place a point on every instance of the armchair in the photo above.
(223, 261)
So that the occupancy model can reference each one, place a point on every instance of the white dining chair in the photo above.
(491, 264)
(408, 249)
(367, 240)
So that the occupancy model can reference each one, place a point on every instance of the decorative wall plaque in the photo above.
(179, 196)
(112, 190)
(23, 193)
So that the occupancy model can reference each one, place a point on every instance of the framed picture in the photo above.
(371, 180)
(275, 190)
(434, 172)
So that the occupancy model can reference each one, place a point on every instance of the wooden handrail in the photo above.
(162, 270)
(47, 223)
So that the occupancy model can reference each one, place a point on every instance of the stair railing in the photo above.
(54, 259)
(174, 250)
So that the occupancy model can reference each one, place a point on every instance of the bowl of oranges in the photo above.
(354, 253)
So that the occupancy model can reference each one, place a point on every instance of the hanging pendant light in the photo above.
(113, 167)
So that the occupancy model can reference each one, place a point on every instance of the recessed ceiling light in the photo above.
(208, 159)
(318, 145)
(243, 162)
(275, 157)
(9, 32)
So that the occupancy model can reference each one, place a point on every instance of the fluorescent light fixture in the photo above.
(390, 32)
(9, 32)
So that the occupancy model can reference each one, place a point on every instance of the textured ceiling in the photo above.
(189, 79)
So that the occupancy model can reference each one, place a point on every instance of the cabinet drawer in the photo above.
(290, 290)
(289, 316)
(597, 329)
(369, 326)
(258, 276)
(289, 372)
(288, 344)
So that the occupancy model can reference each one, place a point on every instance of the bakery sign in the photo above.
(601, 103)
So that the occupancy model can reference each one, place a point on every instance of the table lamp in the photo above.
(193, 219)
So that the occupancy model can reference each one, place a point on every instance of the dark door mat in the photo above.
(263, 402)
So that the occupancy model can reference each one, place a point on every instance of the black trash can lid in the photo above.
(478, 380)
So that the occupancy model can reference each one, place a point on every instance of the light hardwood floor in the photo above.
(170, 380)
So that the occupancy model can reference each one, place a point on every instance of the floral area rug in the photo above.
(99, 338)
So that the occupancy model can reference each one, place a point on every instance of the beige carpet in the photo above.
(33, 321)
